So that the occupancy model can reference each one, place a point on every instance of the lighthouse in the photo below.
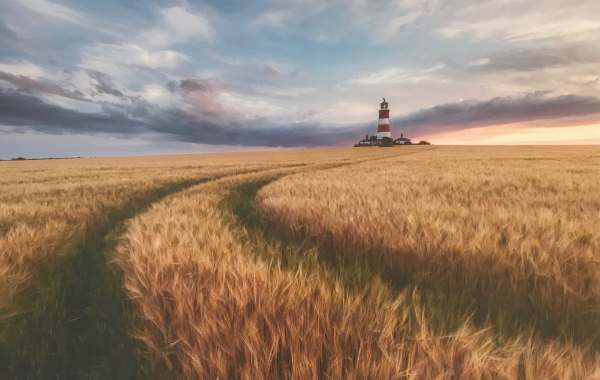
(384, 132)
(383, 126)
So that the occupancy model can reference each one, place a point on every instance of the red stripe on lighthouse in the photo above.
(384, 114)
(383, 128)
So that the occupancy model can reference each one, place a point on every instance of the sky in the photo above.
(117, 77)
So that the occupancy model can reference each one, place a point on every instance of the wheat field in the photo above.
(397, 263)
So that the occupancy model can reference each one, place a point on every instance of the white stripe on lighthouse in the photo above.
(384, 121)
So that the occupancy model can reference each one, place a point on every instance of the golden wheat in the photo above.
(208, 308)
(46, 207)
(212, 299)
(508, 226)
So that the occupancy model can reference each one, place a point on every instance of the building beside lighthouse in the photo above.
(383, 125)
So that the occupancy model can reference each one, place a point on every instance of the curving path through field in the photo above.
(212, 297)
(189, 281)
(362, 273)
(73, 316)
(76, 317)
(206, 308)
(452, 286)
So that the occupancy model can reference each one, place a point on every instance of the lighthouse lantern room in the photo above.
(383, 126)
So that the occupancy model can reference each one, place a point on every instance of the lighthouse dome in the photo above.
(384, 104)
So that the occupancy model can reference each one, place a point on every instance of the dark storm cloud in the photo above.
(501, 110)
(192, 85)
(24, 111)
(35, 86)
(184, 127)
(104, 84)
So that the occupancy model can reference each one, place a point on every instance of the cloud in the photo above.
(166, 75)
(193, 85)
(395, 24)
(35, 20)
(212, 97)
(179, 25)
(284, 92)
(82, 90)
(202, 95)
(394, 75)
(501, 110)
(104, 84)
(184, 127)
(53, 10)
(498, 20)
(271, 72)
(524, 28)
(271, 18)
(329, 21)
(9, 40)
(115, 56)
(344, 112)
(23, 110)
(28, 113)
(29, 85)
(479, 62)
(206, 123)
(24, 68)
(150, 49)
(538, 57)
(76, 89)
(564, 67)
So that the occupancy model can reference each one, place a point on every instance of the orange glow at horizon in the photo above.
(519, 135)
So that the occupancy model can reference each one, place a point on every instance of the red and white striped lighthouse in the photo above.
(383, 126)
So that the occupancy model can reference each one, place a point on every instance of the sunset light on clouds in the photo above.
(522, 135)
(193, 76)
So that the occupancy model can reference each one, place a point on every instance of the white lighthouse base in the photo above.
(381, 135)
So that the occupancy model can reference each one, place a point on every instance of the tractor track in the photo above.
(356, 270)
(352, 272)
(76, 314)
